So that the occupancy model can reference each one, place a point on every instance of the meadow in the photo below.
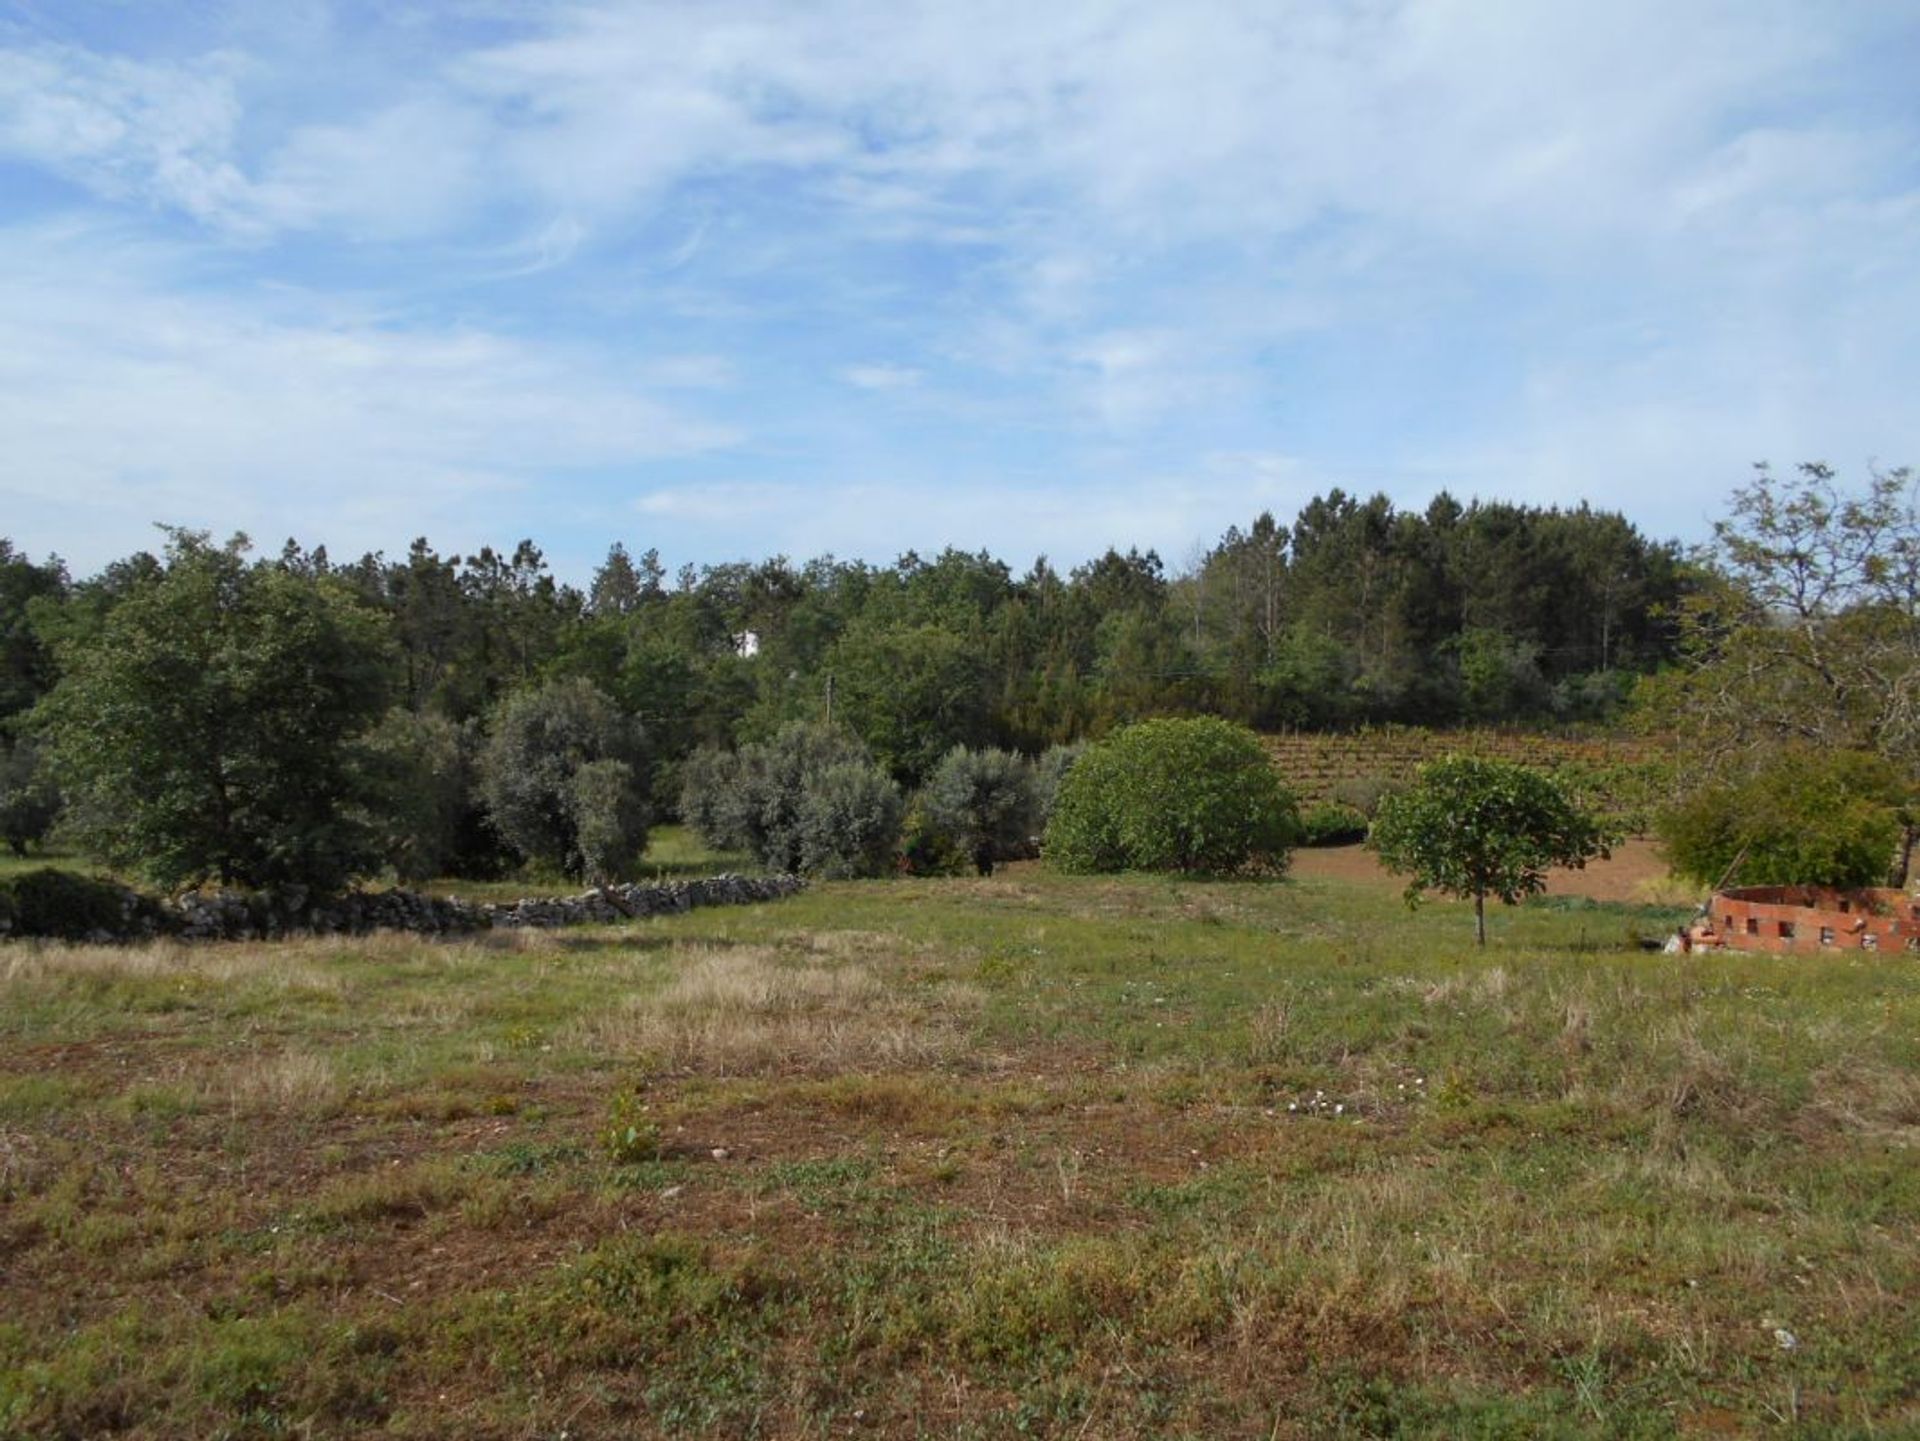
(1031, 1155)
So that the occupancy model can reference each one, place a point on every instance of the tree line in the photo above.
(1355, 613)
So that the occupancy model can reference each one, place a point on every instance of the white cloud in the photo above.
(155, 133)
(881, 377)
(1016, 518)
(128, 399)
(1667, 234)
(410, 170)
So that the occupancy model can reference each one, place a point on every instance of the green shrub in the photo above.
(985, 801)
(1328, 823)
(541, 741)
(927, 848)
(631, 1135)
(1084, 832)
(849, 822)
(1800, 816)
(1189, 795)
(60, 905)
(1362, 793)
(809, 800)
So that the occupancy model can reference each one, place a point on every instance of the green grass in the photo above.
(37, 859)
(673, 853)
(952, 1158)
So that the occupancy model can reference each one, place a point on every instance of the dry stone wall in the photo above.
(207, 915)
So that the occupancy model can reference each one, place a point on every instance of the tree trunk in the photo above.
(1480, 918)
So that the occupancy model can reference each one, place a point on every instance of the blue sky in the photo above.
(732, 279)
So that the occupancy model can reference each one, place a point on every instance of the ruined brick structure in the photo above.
(1808, 918)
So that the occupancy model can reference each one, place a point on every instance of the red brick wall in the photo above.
(1809, 918)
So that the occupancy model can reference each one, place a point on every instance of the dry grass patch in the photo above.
(288, 965)
(19, 1156)
(1868, 1098)
(283, 1083)
(750, 1010)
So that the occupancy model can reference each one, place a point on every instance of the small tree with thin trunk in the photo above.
(1475, 828)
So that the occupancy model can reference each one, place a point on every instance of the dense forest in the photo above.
(1357, 613)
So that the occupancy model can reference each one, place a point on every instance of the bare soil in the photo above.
(1635, 873)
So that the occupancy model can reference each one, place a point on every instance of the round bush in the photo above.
(1802, 816)
(1192, 795)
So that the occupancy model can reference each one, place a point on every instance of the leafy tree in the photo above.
(610, 820)
(1049, 770)
(29, 800)
(910, 693)
(1474, 828)
(781, 800)
(26, 663)
(1173, 795)
(849, 822)
(1499, 676)
(1800, 816)
(985, 800)
(203, 726)
(529, 774)
(1810, 628)
(423, 774)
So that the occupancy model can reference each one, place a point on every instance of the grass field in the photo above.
(673, 853)
(1079, 1158)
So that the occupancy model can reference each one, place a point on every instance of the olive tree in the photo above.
(810, 799)
(849, 822)
(1049, 770)
(1474, 828)
(563, 775)
(984, 802)
(610, 819)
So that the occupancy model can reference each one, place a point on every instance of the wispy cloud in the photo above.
(882, 377)
(156, 133)
(128, 397)
(1611, 252)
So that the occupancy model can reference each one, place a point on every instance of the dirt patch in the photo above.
(1635, 873)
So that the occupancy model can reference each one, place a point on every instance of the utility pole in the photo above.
(829, 699)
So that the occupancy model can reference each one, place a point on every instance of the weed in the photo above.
(631, 1134)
